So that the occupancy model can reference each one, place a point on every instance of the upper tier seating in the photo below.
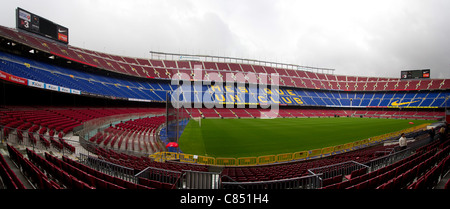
(165, 69)
(46, 76)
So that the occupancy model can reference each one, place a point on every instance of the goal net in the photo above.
(176, 119)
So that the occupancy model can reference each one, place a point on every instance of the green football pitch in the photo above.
(259, 137)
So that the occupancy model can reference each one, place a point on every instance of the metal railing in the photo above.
(185, 179)
(339, 169)
(384, 161)
(108, 167)
(200, 180)
(305, 182)
(161, 175)
(421, 139)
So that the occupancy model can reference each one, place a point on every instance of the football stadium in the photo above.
(76, 118)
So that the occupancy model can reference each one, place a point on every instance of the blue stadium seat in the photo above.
(156, 89)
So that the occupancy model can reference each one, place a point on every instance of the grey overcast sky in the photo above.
(355, 37)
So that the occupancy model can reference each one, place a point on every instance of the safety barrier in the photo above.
(327, 151)
(206, 160)
(301, 155)
(187, 158)
(341, 169)
(315, 153)
(304, 182)
(200, 180)
(168, 179)
(266, 159)
(340, 148)
(108, 167)
(226, 161)
(247, 161)
(285, 157)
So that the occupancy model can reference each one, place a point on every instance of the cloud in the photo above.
(365, 38)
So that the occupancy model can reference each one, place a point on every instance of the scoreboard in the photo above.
(35, 24)
(415, 74)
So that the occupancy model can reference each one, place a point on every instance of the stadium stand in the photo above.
(150, 68)
(421, 170)
(418, 171)
(51, 77)
(41, 131)
(300, 113)
(133, 133)
(35, 175)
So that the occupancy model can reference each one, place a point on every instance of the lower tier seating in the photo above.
(418, 171)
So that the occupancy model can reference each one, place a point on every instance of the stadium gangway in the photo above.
(304, 182)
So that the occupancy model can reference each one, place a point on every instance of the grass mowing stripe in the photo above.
(258, 137)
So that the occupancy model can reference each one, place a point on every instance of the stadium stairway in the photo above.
(444, 182)
(14, 168)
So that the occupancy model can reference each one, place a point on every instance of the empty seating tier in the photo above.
(167, 69)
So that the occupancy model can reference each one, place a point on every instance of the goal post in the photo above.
(199, 120)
